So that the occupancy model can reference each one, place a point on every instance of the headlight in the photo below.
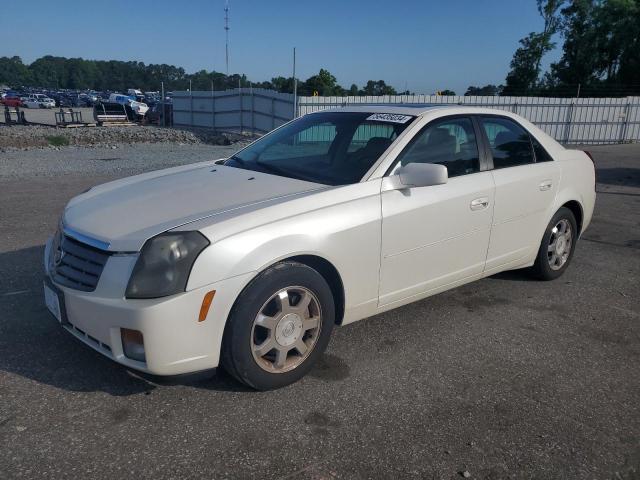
(164, 264)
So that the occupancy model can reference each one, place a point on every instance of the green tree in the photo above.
(378, 88)
(324, 83)
(525, 65)
(14, 72)
(617, 33)
(282, 84)
(601, 50)
(578, 62)
(487, 90)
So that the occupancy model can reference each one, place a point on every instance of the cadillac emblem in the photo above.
(58, 256)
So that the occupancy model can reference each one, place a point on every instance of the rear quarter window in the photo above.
(541, 154)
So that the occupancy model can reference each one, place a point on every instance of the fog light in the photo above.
(133, 344)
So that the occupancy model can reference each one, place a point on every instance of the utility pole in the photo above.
(226, 31)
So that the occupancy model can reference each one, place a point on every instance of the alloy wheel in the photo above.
(286, 329)
(560, 244)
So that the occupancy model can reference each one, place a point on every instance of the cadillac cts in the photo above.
(249, 262)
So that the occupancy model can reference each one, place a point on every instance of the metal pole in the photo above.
(625, 125)
(164, 120)
(273, 113)
(295, 86)
(567, 132)
(240, 98)
(213, 108)
(578, 93)
(253, 120)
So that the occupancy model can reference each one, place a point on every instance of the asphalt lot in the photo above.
(503, 378)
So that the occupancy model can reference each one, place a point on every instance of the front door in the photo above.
(437, 236)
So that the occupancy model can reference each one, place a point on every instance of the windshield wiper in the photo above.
(236, 159)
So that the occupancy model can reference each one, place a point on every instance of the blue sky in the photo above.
(421, 45)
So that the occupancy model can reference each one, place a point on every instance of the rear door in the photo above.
(526, 186)
(436, 236)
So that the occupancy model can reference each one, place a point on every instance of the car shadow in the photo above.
(34, 346)
(520, 275)
(620, 176)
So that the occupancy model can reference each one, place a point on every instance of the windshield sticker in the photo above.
(389, 117)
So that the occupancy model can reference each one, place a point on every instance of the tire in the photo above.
(552, 262)
(267, 332)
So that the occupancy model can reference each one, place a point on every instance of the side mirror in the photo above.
(417, 175)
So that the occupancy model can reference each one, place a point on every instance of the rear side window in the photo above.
(449, 142)
(541, 153)
(510, 143)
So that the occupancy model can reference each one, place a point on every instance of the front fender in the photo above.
(346, 234)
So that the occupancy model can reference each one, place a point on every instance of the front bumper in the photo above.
(175, 342)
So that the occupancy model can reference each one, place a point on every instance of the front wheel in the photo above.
(557, 246)
(279, 327)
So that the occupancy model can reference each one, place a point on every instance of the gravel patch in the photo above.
(20, 137)
(120, 160)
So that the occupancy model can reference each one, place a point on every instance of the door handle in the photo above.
(479, 203)
(546, 185)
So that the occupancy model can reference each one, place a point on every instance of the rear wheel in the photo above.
(279, 327)
(557, 246)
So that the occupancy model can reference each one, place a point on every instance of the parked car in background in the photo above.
(139, 108)
(334, 217)
(47, 102)
(12, 100)
(155, 114)
(30, 102)
(38, 101)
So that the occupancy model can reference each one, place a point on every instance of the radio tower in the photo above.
(226, 31)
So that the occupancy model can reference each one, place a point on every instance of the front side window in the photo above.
(333, 148)
(510, 143)
(449, 142)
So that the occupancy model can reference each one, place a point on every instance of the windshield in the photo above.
(332, 148)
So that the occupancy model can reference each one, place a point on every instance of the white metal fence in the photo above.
(568, 120)
(245, 109)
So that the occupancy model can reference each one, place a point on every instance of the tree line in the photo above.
(79, 74)
(114, 75)
(600, 57)
(600, 50)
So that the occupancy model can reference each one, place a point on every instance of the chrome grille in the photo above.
(77, 265)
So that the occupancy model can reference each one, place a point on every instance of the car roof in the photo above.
(415, 109)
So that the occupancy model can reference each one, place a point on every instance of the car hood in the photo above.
(123, 214)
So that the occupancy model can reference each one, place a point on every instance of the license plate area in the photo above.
(54, 301)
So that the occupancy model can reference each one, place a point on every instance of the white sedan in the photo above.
(31, 102)
(47, 102)
(336, 216)
(39, 101)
